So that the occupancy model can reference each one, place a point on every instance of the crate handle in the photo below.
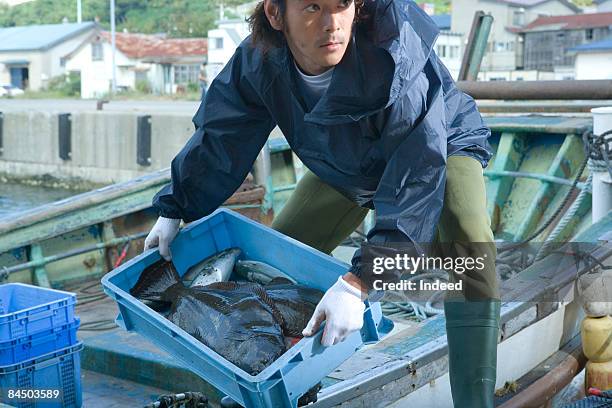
(48, 363)
(39, 316)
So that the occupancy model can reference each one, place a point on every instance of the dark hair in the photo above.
(265, 36)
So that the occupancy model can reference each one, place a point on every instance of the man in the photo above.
(371, 111)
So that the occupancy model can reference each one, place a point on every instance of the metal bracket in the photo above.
(143, 140)
(65, 135)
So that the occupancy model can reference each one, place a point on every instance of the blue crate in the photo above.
(296, 371)
(28, 347)
(60, 370)
(26, 310)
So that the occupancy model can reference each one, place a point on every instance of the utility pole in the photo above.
(113, 45)
(79, 12)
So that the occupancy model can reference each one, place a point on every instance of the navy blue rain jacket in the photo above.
(380, 134)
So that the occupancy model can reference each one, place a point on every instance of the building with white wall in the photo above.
(222, 43)
(448, 45)
(594, 60)
(31, 55)
(548, 39)
(163, 64)
(504, 47)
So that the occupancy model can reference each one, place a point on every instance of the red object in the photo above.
(293, 340)
(595, 391)
(122, 256)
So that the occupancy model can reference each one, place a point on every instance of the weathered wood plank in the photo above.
(564, 165)
(509, 154)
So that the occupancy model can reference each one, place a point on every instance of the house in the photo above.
(151, 61)
(448, 45)
(31, 55)
(222, 42)
(593, 60)
(548, 39)
(504, 47)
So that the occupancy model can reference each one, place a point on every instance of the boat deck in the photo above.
(104, 391)
(409, 364)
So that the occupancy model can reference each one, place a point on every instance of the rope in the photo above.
(597, 155)
(413, 310)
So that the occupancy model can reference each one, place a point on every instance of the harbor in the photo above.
(414, 210)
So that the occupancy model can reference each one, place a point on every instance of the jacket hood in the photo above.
(388, 50)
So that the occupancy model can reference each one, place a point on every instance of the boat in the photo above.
(538, 167)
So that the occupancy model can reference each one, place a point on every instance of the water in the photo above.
(16, 198)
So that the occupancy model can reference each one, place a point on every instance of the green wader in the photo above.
(318, 215)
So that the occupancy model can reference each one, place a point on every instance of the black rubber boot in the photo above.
(472, 329)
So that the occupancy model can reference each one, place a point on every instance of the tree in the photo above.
(176, 18)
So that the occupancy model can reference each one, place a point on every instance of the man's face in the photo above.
(317, 31)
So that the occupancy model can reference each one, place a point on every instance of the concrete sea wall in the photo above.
(96, 147)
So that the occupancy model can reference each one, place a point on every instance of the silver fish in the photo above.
(216, 268)
(259, 272)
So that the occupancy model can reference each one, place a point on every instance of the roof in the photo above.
(595, 46)
(147, 45)
(570, 22)
(532, 3)
(443, 21)
(39, 37)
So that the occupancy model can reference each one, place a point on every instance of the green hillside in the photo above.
(177, 18)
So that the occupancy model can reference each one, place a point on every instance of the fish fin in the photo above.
(280, 281)
(155, 280)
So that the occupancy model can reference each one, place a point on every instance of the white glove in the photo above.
(342, 309)
(162, 234)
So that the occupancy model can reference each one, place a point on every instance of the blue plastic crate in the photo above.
(60, 370)
(28, 347)
(296, 371)
(26, 310)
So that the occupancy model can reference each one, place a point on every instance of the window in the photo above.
(518, 17)
(97, 51)
(186, 74)
(589, 34)
(215, 43)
